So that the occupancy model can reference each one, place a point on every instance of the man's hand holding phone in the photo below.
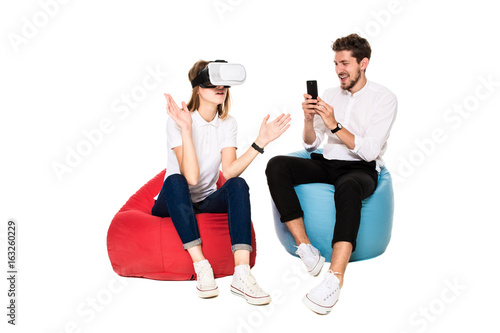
(314, 105)
(310, 100)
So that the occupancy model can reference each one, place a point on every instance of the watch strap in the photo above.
(260, 150)
(338, 128)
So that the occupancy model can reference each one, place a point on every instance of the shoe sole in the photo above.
(319, 309)
(208, 293)
(250, 299)
(319, 265)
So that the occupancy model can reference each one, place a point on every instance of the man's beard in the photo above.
(353, 82)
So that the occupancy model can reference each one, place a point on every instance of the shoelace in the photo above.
(334, 273)
(251, 283)
(330, 281)
(308, 260)
(329, 284)
(300, 252)
(202, 275)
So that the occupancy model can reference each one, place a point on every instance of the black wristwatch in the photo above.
(336, 129)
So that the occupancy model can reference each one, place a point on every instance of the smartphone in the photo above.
(312, 88)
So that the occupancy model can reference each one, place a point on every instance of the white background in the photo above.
(67, 72)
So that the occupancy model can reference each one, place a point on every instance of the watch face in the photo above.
(339, 125)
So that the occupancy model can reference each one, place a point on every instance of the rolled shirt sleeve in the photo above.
(370, 145)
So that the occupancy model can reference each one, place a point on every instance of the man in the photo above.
(356, 118)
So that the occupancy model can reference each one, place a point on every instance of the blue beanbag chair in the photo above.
(318, 205)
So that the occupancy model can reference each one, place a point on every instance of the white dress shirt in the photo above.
(368, 115)
(209, 138)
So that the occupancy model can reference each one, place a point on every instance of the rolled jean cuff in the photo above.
(241, 247)
(191, 244)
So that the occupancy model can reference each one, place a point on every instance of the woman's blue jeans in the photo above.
(233, 198)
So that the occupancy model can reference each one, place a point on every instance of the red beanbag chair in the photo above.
(147, 246)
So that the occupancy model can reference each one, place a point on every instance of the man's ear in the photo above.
(364, 63)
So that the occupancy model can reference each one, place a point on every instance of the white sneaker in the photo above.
(323, 297)
(206, 286)
(311, 258)
(244, 285)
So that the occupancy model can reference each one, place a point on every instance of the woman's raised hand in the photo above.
(182, 117)
(273, 130)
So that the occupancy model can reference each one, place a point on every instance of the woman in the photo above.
(200, 137)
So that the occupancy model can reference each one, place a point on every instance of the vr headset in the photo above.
(220, 73)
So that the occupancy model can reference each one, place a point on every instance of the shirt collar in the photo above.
(358, 93)
(202, 122)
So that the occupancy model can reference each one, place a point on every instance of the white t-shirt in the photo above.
(209, 138)
(368, 114)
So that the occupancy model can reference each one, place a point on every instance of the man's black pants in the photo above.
(354, 181)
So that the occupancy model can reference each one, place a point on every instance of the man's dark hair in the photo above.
(359, 47)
